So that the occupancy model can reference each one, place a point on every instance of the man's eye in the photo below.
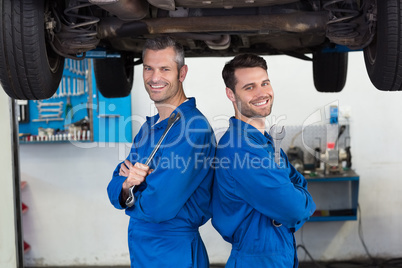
(249, 88)
(265, 84)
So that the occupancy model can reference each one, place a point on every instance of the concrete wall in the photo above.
(71, 222)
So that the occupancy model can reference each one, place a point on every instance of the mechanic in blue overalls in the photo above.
(172, 195)
(258, 204)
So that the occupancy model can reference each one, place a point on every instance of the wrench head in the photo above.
(277, 133)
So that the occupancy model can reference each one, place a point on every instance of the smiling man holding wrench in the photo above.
(259, 198)
(166, 202)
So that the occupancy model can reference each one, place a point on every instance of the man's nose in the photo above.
(156, 76)
(264, 90)
(260, 90)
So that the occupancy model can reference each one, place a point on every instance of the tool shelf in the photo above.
(77, 98)
(336, 196)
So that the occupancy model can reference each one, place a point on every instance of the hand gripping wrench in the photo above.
(277, 136)
(174, 117)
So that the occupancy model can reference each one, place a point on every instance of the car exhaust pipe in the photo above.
(125, 10)
(297, 22)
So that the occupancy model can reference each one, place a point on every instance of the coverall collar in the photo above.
(182, 109)
(250, 131)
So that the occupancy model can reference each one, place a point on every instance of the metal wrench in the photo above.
(74, 87)
(277, 136)
(69, 85)
(174, 117)
(57, 110)
(60, 90)
(43, 104)
(41, 116)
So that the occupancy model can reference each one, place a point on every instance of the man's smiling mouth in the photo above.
(261, 103)
(157, 86)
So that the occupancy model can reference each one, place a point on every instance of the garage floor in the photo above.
(365, 264)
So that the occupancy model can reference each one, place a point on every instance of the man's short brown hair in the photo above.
(238, 62)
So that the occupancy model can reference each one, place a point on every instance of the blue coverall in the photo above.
(257, 204)
(175, 198)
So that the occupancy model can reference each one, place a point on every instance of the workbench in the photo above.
(336, 196)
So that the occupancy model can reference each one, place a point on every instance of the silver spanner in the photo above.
(277, 135)
(49, 104)
(174, 117)
(58, 110)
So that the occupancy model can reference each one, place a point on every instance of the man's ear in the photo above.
(183, 73)
(230, 94)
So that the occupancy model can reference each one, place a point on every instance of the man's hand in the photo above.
(125, 168)
(136, 174)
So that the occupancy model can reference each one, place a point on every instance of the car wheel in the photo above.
(383, 56)
(29, 68)
(329, 71)
(114, 76)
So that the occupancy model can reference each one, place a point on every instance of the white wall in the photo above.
(8, 241)
(71, 221)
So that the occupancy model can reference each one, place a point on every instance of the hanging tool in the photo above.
(277, 137)
(69, 86)
(74, 86)
(62, 86)
(68, 109)
(80, 87)
(341, 130)
(49, 110)
(66, 64)
(54, 116)
(43, 104)
(171, 121)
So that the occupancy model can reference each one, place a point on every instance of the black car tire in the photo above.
(114, 76)
(330, 71)
(29, 68)
(383, 57)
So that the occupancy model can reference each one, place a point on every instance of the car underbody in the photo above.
(113, 33)
(216, 28)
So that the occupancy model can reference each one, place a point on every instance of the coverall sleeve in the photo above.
(270, 190)
(114, 188)
(116, 184)
(170, 186)
(295, 177)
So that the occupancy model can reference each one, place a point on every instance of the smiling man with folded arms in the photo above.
(258, 204)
